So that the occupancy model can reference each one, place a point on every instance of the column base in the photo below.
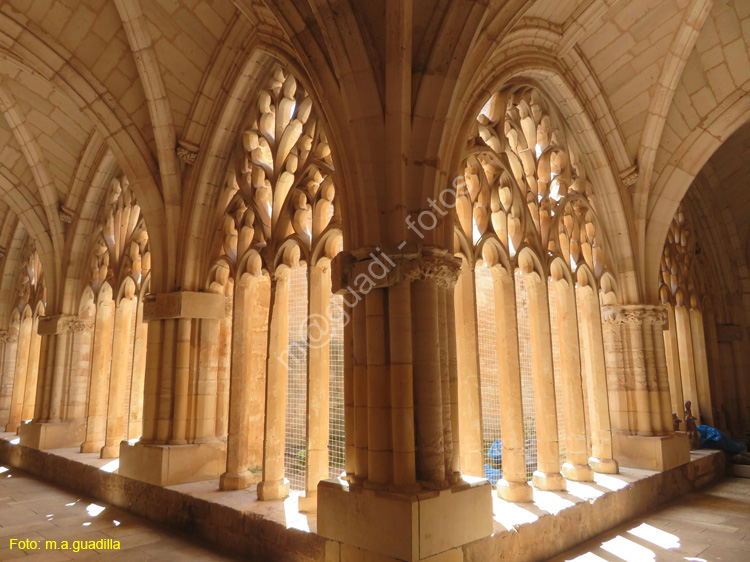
(274, 490)
(164, 465)
(308, 503)
(408, 527)
(110, 451)
(238, 481)
(52, 435)
(604, 466)
(92, 446)
(519, 492)
(548, 481)
(12, 427)
(577, 472)
(660, 452)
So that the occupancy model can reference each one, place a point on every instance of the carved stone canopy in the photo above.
(647, 314)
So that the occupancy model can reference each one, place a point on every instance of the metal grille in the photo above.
(488, 369)
(527, 381)
(556, 367)
(296, 398)
(336, 440)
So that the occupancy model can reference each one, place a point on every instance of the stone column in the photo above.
(45, 369)
(135, 416)
(592, 347)
(10, 344)
(405, 393)
(469, 396)
(32, 373)
(659, 336)
(714, 369)
(514, 485)
(687, 359)
(99, 385)
(318, 377)
(547, 475)
(169, 451)
(223, 369)
(402, 387)
(359, 329)
(248, 383)
(54, 425)
(274, 486)
(576, 466)
(206, 402)
(701, 367)
(19, 378)
(673, 364)
(642, 440)
(122, 347)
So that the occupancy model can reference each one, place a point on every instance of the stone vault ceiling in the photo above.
(86, 80)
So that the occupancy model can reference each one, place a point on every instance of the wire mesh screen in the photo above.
(527, 381)
(488, 368)
(336, 443)
(584, 374)
(296, 397)
(556, 368)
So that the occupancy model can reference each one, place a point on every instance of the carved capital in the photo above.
(7, 337)
(187, 152)
(78, 325)
(649, 315)
(442, 268)
(378, 268)
(66, 215)
(629, 176)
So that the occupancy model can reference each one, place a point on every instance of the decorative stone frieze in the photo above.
(649, 315)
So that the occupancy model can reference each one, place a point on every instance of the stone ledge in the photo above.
(238, 522)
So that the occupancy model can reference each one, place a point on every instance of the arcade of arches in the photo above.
(405, 259)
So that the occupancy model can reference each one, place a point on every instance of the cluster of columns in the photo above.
(184, 402)
(402, 410)
(274, 484)
(687, 361)
(636, 369)
(576, 348)
(22, 359)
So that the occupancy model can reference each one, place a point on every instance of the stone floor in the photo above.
(708, 526)
(32, 509)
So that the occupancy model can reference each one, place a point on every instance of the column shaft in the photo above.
(274, 485)
(513, 486)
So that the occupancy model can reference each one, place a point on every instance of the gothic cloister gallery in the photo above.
(374, 280)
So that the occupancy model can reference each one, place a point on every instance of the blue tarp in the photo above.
(496, 451)
(712, 438)
(492, 474)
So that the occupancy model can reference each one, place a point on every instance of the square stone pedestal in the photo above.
(165, 465)
(652, 453)
(52, 435)
(404, 527)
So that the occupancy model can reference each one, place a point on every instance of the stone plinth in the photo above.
(652, 452)
(52, 435)
(407, 527)
(165, 465)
